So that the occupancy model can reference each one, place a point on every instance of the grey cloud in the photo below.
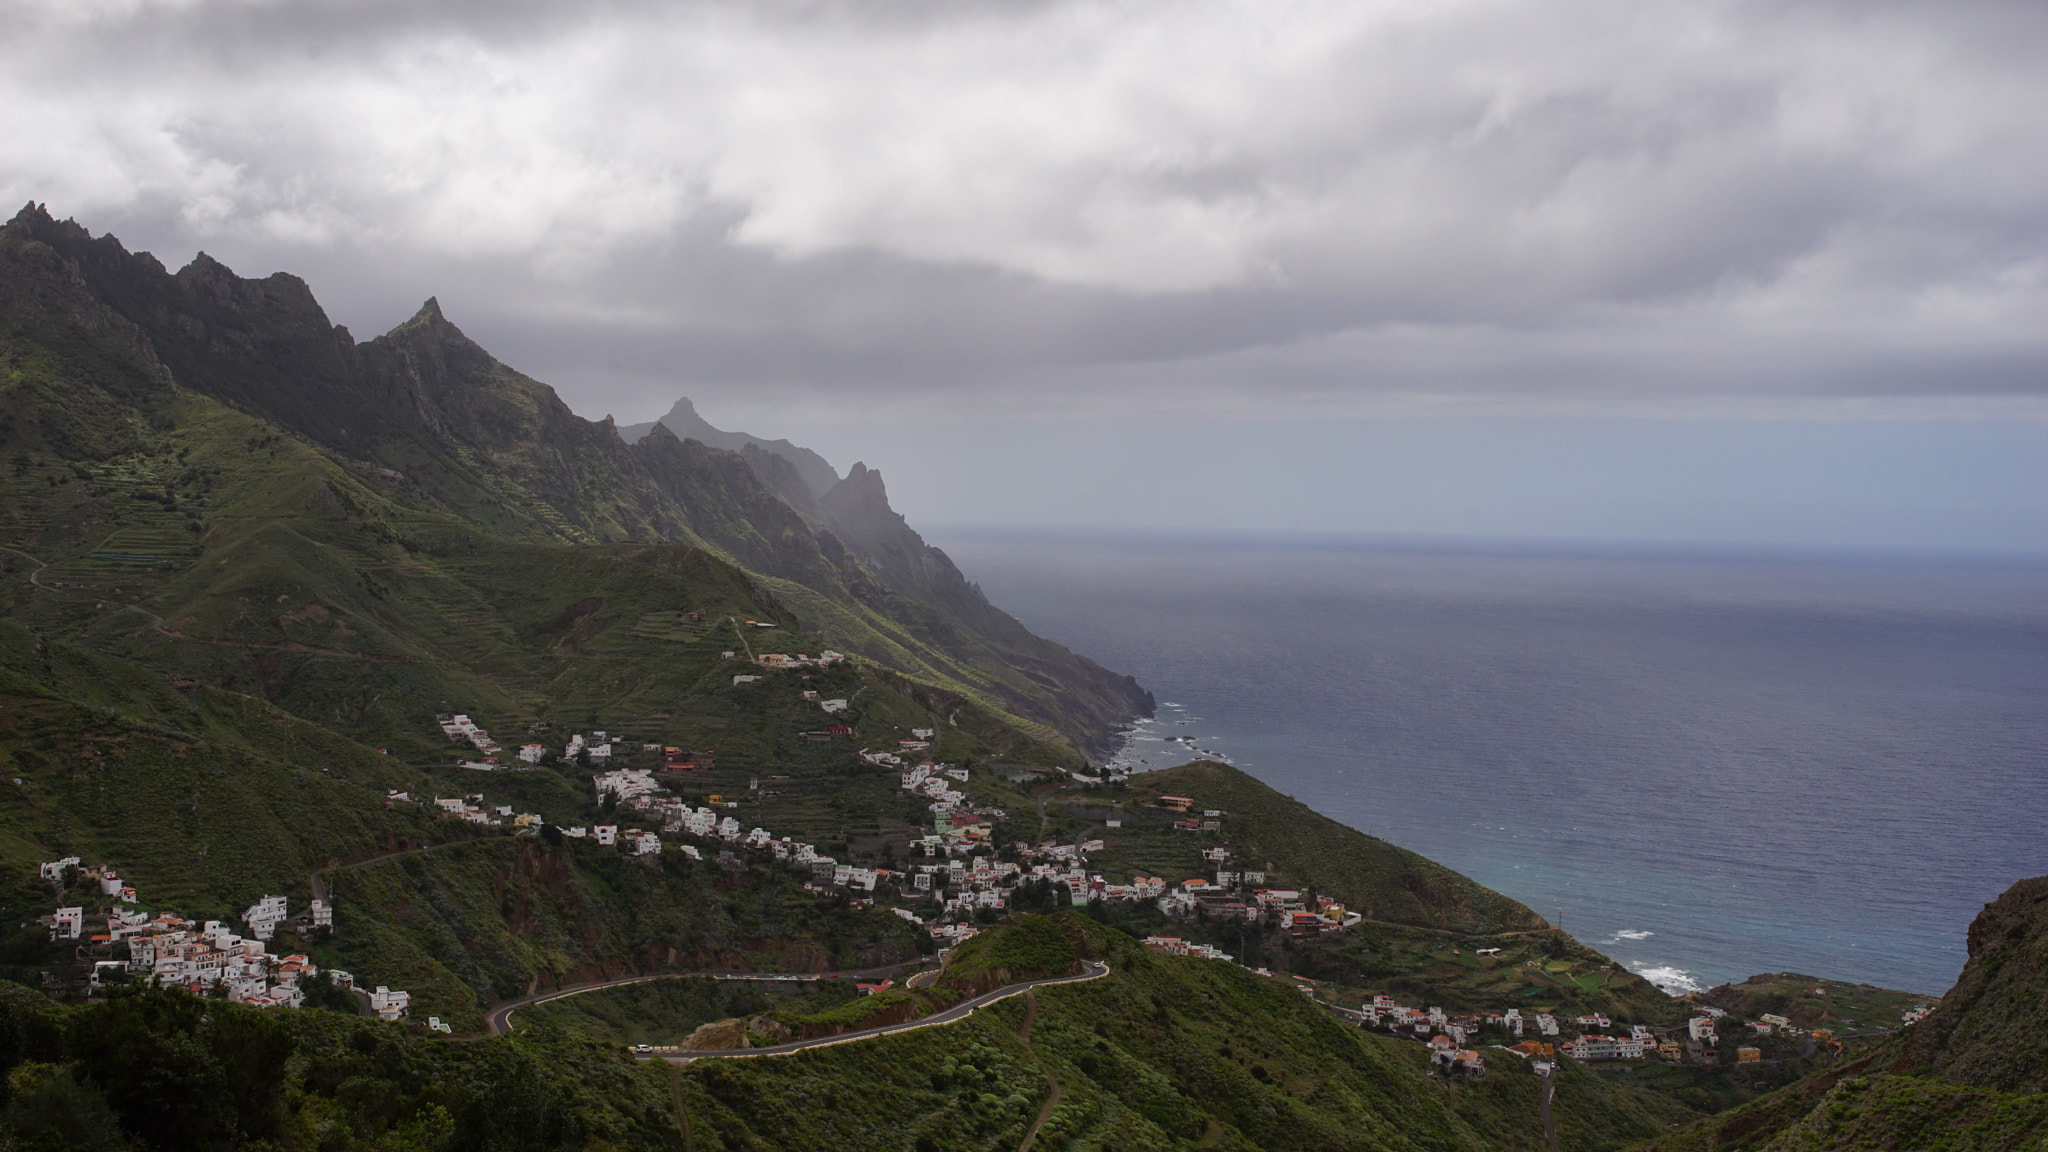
(1240, 207)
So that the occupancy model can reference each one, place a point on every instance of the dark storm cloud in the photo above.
(1232, 207)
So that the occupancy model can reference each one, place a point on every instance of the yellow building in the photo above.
(1748, 1055)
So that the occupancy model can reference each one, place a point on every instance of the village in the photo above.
(971, 882)
(169, 951)
(956, 881)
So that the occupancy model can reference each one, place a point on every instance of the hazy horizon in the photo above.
(1883, 486)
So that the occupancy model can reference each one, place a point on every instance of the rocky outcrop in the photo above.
(1991, 1030)
(719, 1035)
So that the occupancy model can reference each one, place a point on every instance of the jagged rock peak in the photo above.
(861, 478)
(206, 272)
(35, 220)
(433, 326)
(861, 499)
(32, 213)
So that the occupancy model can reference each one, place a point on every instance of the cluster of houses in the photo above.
(783, 660)
(1175, 946)
(462, 730)
(1590, 1041)
(636, 790)
(1226, 898)
(957, 821)
(472, 809)
(175, 952)
(597, 748)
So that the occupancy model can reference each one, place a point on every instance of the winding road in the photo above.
(500, 1019)
(1090, 970)
(501, 1016)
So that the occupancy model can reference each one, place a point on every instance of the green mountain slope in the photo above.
(226, 639)
(1370, 876)
(1166, 1052)
(440, 430)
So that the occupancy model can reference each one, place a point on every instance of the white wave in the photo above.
(1633, 934)
(1676, 981)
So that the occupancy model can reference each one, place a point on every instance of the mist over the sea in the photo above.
(1710, 765)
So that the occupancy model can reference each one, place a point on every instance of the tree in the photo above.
(321, 991)
(190, 1072)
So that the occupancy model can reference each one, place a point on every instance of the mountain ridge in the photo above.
(479, 440)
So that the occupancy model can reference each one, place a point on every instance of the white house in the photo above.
(264, 916)
(607, 833)
(389, 1005)
(70, 924)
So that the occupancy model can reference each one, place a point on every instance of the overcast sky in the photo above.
(1054, 222)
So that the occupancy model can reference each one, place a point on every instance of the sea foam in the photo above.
(1676, 981)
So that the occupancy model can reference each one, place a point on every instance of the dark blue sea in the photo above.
(1708, 765)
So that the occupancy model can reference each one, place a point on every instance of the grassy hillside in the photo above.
(1167, 1052)
(470, 924)
(1301, 847)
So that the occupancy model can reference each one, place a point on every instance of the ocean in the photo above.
(1708, 765)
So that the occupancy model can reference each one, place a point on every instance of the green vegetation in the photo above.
(666, 1011)
(169, 1070)
(1029, 948)
(1925, 1115)
(1165, 1052)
